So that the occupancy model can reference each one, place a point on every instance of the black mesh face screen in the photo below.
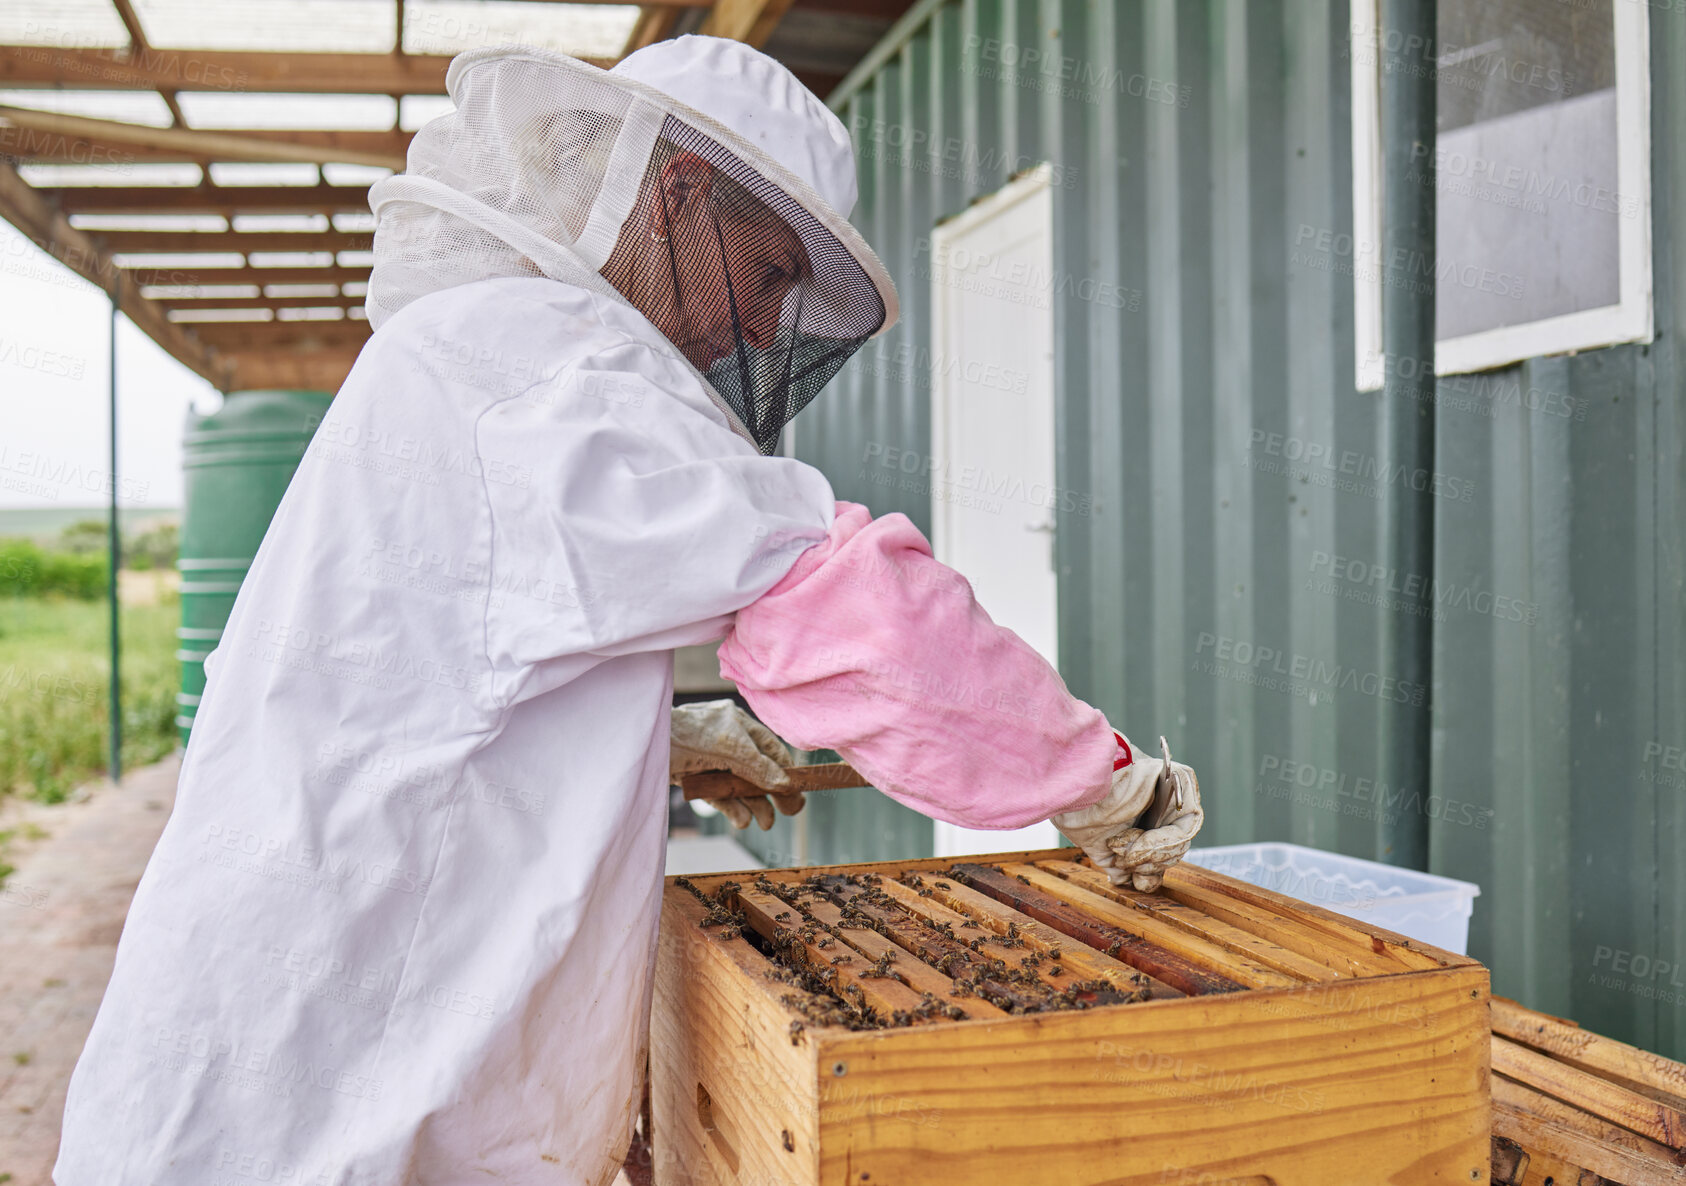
(750, 286)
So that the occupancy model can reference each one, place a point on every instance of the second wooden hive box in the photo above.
(1209, 1033)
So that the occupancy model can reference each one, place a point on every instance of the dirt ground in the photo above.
(146, 587)
(61, 912)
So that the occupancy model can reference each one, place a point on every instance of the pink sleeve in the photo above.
(870, 647)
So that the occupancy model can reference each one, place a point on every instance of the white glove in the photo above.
(1107, 831)
(718, 735)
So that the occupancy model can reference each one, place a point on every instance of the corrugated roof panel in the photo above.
(131, 107)
(452, 26)
(299, 26)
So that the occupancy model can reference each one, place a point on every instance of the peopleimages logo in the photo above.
(332, 655)
(976, 479)
(1022, 64)
(249, 1065)
(1229, 655)
(1326, 249)
(1345, 469)
(888, 141)
(51, 474)
(1014, 280)
(1371, 798)
(1420, 591)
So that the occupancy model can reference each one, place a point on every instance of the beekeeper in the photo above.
(401, 925)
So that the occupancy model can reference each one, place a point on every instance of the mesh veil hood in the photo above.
(540, 166)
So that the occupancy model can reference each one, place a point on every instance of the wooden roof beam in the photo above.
(153, 69)
(750, 21)
(241, 337)
(196, 143)
(50, 230)
(42, 147)
(655, 23)
(137, 44)
(131, 24)
(172, 242)
(208, 199)
(291, 302)
(311, 370)
(221, 70)
(150, 277)
(675, 3)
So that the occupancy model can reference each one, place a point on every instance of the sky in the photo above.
(54, 342)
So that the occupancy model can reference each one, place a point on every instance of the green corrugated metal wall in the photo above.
(1200, 150)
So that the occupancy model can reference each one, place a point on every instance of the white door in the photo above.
(992, 429)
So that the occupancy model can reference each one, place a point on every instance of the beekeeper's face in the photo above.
(714, 264)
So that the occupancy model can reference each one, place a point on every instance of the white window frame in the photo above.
(1365, 54)
(1630, 319)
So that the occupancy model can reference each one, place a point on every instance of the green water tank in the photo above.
(237, 462)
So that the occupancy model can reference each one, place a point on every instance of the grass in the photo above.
(54, 702)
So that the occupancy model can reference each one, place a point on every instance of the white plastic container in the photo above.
(1424, 906)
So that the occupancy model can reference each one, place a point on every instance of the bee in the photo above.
(880, 968)
(1022, 878)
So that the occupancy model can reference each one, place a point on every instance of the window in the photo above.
(1542, 176)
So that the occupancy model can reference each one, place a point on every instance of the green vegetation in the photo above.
(85, 537)
(75, 564)
(54, 702)
(27, 569)
(55, 671)
(159, 546)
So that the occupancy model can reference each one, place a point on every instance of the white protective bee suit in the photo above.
(400, 927)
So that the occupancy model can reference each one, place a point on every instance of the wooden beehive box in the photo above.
(1574, 1108)
(1278, 1044)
